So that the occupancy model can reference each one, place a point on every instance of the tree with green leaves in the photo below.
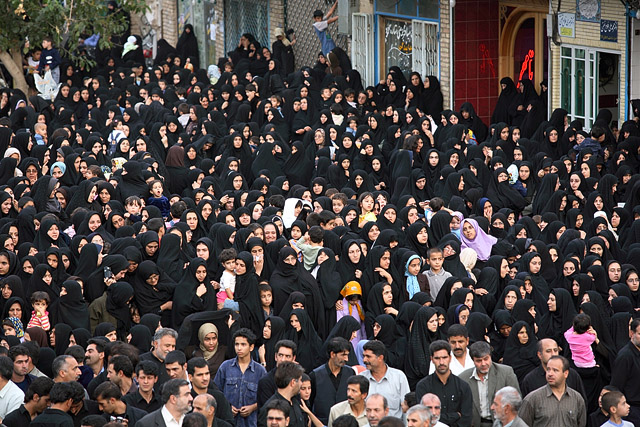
(25, 23)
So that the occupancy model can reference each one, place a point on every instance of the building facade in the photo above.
(586, 52)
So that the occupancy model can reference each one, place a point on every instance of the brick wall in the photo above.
(276, 18)
(476, 46)
(163, 17)
(588, 35)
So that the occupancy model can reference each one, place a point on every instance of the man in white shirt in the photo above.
(431, 403)
(177, 399)
(357, 392)
(11, 397)
(383, 379)
(460, 359)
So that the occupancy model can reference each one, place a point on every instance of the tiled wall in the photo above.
(476, 55)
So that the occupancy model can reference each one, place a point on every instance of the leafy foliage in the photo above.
(69, 22)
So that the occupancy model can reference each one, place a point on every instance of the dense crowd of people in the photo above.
(170, 241)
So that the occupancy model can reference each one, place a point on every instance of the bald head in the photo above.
(432, 403)
(206, 405)
(547, 348)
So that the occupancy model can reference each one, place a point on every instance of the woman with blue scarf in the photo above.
(414, 281)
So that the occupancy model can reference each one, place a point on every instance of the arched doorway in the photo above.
(523, 42)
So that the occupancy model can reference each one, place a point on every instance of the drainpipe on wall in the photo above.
(452, 4)
(550, 56)
(627, 67)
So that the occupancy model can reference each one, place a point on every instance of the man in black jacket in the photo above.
(535, 379)
(285, 352)
(36, 400)
(625, 371)
(288, 379)
(454, 393)
(329, 381)
(61, 398)
(207, 405)
(109, 398)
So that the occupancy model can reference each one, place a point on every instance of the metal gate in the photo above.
(362, 53)
(299, 17)
(425, 58)
(245, 16)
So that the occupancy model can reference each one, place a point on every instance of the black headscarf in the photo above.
(247, 295)
(522, 358)
(307, 339)
(71, 308)
(118, 296)
(186, 301)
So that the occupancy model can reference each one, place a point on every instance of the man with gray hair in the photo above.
(164, 341)
(505, 407)
(484, 379)
(418, 416)
(431, 402)
(65, 368)
(206, 405)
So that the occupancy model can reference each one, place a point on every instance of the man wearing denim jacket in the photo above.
(238, 379)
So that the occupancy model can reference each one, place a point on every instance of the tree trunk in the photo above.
(13, 63)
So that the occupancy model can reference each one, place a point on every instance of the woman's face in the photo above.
(487, 209)
(468, 300)
(54, 232)
(210, 341)
(510, 300)
(575, 288)
(6, 291)
(367, 204)
(153, 279)
(523, 337)
(385, 260)
(552, 302)
(387, 295)
(15, 310)
(291, 260)
(633, 282)
(596, 249)
(598, 203)
(201, 273)
(535, 264)
(295, 323)
(422, 237)
(46, 278)
(354, 253)
(463, 316)
(94, 222)
(241, 267)
(390, 215)
(468, 231)
(432, 323)
(585, 170)
(414, 267)
(6, 206)
(373, 233)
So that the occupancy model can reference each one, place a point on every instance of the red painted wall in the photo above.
(475, 48)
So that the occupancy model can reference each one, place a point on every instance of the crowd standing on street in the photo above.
(255, 244)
